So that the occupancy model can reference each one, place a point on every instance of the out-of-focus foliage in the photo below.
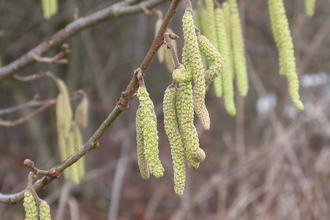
(268, 162)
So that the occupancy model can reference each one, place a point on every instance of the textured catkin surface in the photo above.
(238, 49)
(141, 159)
(185, 112)
(175, 139)
(30, 206)
(44, 210)
(150, 133)
(197, 69)
(284, 44)
(227, 74)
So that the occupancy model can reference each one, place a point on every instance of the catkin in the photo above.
(150, 133)
(81, 114)
(162, 49)
(197, 69)
(30, 206)
(49, 8)
(142, 161)
(310, 7)
(238, 49)
(213, 56)
(211, 22)
(185, 112)
(181, 74)
(284, 43)
(174, 137)
(78, 168)
(44, 210)
(227, 79)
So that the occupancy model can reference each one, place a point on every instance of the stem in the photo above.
(173, 53)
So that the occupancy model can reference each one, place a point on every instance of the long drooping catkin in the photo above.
(211, 22)
(310, 7)
(30, 206)
(213, 56)
(284, 43)
(142, 161)
(185, 112)
(175, 139)
(44, 210)
(150, 133)
(197, 69)
(238, 49)
(227, 79)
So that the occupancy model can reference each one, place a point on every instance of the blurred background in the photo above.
(269, 162)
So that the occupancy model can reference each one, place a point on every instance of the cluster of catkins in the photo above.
(181, 99)
(68, 130)
(32, 211)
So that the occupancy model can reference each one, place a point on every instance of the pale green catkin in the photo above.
(181, 74)
(142, 161)
(310, 7)
(213, 56)
(238, 50)
(211, 22)
(30, 206)
(150, 133)
(161, 50)
(284, 43)
(175, 139)
(185, 114)
(227, 79)
(81, 114)
(226, 19)
(78, 168)
(44, 210)
(197, 69)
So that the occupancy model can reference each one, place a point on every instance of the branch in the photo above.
(122, 105)
(117, 10)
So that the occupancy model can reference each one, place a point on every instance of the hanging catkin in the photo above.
(310, 7)
(44, 210)
(150, 133)
(227, 79)
(197, 69)
(238, 49)
(284, 43)
(30, 206)
(185, 112)
(174, 137)
(141, 159)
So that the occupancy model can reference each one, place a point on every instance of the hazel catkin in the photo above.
(174, 137)
(30, 206)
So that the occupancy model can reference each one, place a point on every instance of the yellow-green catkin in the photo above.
(44, 210)
(238, 49)
(141, 159)
(81, 114)
(49, 8)
(150, 133)
(226, 19)
(197, 68)
(227, 79)
(284, 43)
(310, 7)
(30, 206)
(181, 74)
(213, 56)
(211, 22)
(175, 139)
(78, 168)
(185, 113)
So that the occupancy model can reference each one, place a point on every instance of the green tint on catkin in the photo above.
(44, 210)
(310, 7)
(150, 133)
(211, 22)
(284, 44)
(174, 137)
(141, 159)
(181, 74)
(213, 56)
(197, 70)
(49, 8)
(185, 114)
(227, 79)
(30, 206)
(238, 50)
